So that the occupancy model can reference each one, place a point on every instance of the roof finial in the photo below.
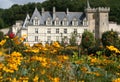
(35, 3)
(88, 4)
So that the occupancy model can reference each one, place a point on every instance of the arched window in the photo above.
(65, 22)
(57, 21)
(48, 21)
(36, 21)
(75, 22)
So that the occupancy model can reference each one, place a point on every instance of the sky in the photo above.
(8, 3)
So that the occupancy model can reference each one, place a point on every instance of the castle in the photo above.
(46, 26)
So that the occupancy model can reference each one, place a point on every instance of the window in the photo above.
(36, 38)
(36, 21)
(49, 30)
(75, 31)
(48, 22)
(57, 30)
(48, 38)
(75, 22)
(57, 22)
(64, 22)
(36, 30)
(65, 31)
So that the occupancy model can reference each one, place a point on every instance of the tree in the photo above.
(88, 40)
(110, 38)
(1, 35)
(1, 23)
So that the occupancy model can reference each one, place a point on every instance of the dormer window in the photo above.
(65, 22)
(75, 22)
(48, 21)
(36, 21)
(57, 21)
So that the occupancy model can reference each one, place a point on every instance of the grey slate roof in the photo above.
(61, 15)
(36, 13)
(26, 21)
(78, 15)
(44, 16)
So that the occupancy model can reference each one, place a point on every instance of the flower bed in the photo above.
(46, 64)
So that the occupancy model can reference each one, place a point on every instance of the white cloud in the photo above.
(25, 1)
(8, 3)
(5, 4)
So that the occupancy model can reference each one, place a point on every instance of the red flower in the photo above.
(11, 35)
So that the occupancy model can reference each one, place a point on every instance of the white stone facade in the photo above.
(53, 26)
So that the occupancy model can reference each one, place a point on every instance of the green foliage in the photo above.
(73, 39)
(11, 46)
(1, 23)
(110, 38)
(88, 40)
(1, 35)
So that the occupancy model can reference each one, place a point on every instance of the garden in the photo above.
(98, 60)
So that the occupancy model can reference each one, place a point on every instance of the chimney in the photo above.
(67, 11)
(54, 10)
(43, 10)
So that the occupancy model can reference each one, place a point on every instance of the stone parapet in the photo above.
(103, 9)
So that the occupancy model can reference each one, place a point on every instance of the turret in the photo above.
(90, 13)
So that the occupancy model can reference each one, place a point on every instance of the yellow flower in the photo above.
(44, 64)
(42, 81)
(81, 81)
(54, 63)
(94, 60)
(56, 79)
(43, 72)
(55, 44)
(65, 57)
(14, 80)
(13, 61)
(84, 69)
(112, 48)
(25, 81)
(116, 80)
(36, 78)
(2, 42)
(1, 53)
(6, 36)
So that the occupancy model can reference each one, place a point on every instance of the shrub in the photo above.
(1, 35)
(110, 38)
(88, 40)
